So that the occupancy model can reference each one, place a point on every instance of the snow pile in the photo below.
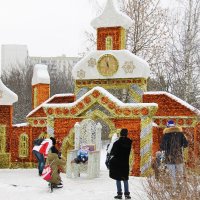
(7, 97)
(140, 68)
(111, 17)
(40, 74)
(103, 92)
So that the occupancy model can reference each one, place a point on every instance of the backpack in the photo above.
(108, 159)
(38, 141)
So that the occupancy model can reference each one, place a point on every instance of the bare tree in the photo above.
(19, 79)
(148, 34)
(182, 67)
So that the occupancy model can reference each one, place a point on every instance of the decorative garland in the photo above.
(146, 146)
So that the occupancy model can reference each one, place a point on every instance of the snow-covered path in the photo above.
(29, 186)
(32, 187)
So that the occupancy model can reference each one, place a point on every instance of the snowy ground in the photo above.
(25, 184)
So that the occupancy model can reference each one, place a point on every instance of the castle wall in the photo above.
(134, 128)
(62, 128)
(16, 149)
(40, 93)
(6, 113)
(117, 34)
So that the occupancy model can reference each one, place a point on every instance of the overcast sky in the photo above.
(47, 27)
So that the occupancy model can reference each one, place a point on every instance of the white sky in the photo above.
(47, 27)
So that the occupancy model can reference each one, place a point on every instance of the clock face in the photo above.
(107, 65)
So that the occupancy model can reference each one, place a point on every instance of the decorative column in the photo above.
(146, 146)
(136, 92)
(98, 136)
(50, 126)
(77, 135)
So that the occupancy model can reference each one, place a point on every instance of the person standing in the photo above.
(172, 144)
(119, 163)
(41, 152)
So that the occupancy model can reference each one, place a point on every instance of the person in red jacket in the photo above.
(41, 152)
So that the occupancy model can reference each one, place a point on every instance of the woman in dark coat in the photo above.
(119, 163)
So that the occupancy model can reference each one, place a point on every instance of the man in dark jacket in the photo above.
(119, 163)
(172, 144)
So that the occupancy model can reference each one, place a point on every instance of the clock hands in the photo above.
(107, 62)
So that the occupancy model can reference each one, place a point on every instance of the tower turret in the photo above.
(40, 85)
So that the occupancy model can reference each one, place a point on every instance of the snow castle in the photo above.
(110, 88)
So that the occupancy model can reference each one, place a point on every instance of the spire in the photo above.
(7, 97)
(111, 17)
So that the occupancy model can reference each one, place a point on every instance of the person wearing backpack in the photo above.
(119, 163)
(41, 152)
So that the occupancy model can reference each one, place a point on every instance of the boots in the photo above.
(127, 195)
(119, 195)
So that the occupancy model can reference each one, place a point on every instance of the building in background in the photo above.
(63, 63)
(17, 56)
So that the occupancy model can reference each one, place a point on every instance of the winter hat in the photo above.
(170, 123)
(53, 140)
(124, 132)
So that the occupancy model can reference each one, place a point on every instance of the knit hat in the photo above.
(124, 132)
(170, 123)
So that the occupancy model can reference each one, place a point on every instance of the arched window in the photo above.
(109, 43)
(23, 145)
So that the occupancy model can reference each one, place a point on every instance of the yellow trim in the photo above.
(23, 145)
(123, 38)
(109, 43)
(2, 138)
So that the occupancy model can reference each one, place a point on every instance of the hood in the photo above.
(173, 130)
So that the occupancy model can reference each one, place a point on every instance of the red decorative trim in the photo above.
(87, 100)
(80, 105)
(42, 121)
(65, 111)
(144, 111)
(118, 111)
(73, 111)
(136, 111)
(58, 111)
(35, 122)
(127, 111)
(95, 93)
(104, 100)
(111, 105)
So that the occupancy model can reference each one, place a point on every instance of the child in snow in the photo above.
(57, 164)
(82, 155)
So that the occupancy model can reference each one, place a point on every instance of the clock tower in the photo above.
(111, 66)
